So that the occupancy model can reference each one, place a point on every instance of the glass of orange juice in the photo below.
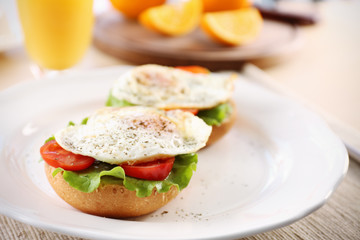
(56, 32)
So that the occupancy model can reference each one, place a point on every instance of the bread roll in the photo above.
(109, 200)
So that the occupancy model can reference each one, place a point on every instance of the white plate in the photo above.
(279, 163)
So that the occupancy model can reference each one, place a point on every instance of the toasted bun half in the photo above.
(219, 131)
(109, 200)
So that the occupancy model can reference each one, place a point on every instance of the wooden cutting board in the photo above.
(128, 40)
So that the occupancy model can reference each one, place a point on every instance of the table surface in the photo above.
(325, 72)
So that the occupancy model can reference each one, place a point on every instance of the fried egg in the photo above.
(171, 88)
(135, 134)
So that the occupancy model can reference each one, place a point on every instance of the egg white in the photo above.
(135, 134)
(171, 88)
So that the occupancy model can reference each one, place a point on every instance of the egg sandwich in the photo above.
(124, 162)
(207, 95)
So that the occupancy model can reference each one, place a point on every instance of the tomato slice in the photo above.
(156, 170)
(194, 69)
(54, 155)
(191, 110)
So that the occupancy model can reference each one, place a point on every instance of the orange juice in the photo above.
(56, 32)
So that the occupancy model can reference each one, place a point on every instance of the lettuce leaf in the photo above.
(114, 102)
(90, 179)
(49, 139)
(216, 115)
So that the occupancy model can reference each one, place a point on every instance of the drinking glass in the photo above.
(56, 32)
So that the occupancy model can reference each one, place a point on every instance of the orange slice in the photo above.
(224, 5)
(173, 20)
(133, 8)
(235, 27)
